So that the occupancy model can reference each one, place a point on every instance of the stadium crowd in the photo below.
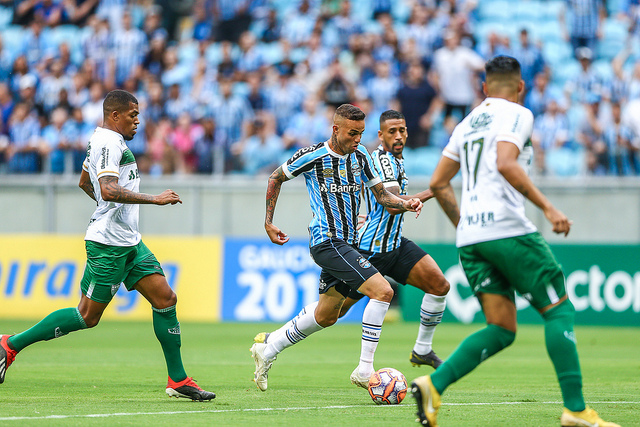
(234, 86)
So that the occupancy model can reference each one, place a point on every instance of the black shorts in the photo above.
(396, 264)
(343, 267)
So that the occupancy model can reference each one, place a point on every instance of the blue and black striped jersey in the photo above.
(382, 231)
(334, 183)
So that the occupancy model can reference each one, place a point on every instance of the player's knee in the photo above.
(441, 286)
(384, 293)
(326, 319)
(91, 321)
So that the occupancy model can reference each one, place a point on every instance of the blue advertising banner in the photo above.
(266, 282)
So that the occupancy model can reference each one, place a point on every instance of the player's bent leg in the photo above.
(156, 290)
(311, 319)
(427, 276)
(263, 337)
(428, 401)
(480, 345)
(560, 341)
(380, 294)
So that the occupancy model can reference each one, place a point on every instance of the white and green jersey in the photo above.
(490, 208)
(114, 224)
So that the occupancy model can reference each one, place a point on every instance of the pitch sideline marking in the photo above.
(306, 408)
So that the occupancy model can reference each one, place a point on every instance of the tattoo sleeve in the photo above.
(387, 199)
(273, 191)
(87, 187)
(447, 200)
(113, 192)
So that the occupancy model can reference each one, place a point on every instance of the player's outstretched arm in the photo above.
(111, 191)
(273, 191)
(509, 167)
(443, 191)
(390, 200)
(423, 196)
(86, 185)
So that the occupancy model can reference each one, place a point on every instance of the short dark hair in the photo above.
(502, 65)
(389, 115)
(350, 112)
(118, 100)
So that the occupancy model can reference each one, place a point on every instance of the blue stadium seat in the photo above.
(13, 39)
(549, 30)
(569, 69)
(496, 10)
(603, 68)
(529, 11)
(6, 16)
(565, 162)
(556, 52)
(421, 161)
(551, 9)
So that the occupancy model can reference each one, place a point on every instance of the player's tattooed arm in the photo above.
(423, 196)
(86, 185)
(447, 200)
(111, 191)
(273, 191)
(389, 200)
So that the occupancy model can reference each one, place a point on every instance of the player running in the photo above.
(500, 249)
(334, 172)
(381, 240)
(115, 251)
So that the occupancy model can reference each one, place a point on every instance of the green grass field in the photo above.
(115, 374)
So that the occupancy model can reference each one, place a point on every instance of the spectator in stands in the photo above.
(284, 98)
(6, 61)
(550, 131)
(590, 136)
(174, 72)
(319, 57)
(78, 12)
(25, 151)
(182, 138)
(581, 22)
(270, 31)
(51, 85)
(250, 58)
(531, 60)
(540, 94)
(92, 110)
(456, 68)
(233, 18)
(231, 113)
(6, 107)
(343, 26)
(421, 30)
(200, 25)
(154, 61)
(207, 147)
(298, 25)
(382, 88)
(49, 12)
(263, 150)
(36, 46)
(588, 83)
(129, 48)
(629, 80)
(160, 157)
(495, 45)
(65, 152)
(336, 88)
(623, 156)
(307, 127)
(152, 26)
(418, 103)
(176, 103)
(256, 94)
(96, 47)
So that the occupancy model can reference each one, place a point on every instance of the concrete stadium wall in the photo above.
(604, 210)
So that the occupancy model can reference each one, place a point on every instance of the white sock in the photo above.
(372, 319)
(431, 312)
(300, 328)
(310, 308)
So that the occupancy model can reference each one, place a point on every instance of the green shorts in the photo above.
(109, 266)
(524, 264)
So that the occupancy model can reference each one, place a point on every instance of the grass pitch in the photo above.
(115, 375)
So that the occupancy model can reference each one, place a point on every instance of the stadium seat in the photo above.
(551, 9)
(496, 10)
(529, 11)
(13, 39)
(422, 161)
(6, 16)
(556, 52)
(565, 162)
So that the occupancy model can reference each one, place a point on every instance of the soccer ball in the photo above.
(387, 386)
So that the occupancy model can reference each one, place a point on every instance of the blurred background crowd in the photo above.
(235, 86)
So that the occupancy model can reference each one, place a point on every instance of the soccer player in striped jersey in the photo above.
(116, 253)
(500, 249)
(334, 171)
(381, 240)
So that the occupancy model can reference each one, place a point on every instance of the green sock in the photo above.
(55, 325)
(475, 349)
(167, 329)
(561, 346)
